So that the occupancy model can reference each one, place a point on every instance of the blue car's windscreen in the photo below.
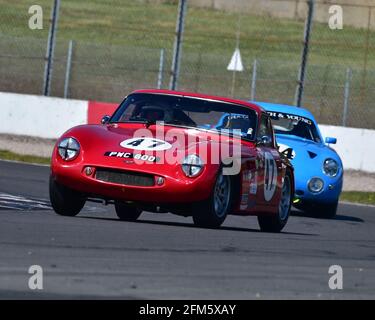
(188, 112)
(291, 124)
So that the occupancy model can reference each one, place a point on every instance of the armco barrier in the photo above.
(39, 116)
(46, 117)
(355, 146)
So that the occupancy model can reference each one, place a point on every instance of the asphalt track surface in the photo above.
(162, 256)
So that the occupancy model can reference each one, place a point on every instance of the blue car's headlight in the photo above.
(68, 149)
(315, 185)
(330, 167)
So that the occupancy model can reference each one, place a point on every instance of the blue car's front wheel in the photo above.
(327, 211)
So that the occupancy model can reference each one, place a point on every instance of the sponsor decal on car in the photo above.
(238, 116)
(281, 115)
(249, 187)
(246, 174)
(243, 204)
(253, 183)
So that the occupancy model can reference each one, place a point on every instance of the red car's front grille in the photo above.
(125, 177)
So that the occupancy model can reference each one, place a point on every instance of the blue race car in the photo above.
(318, 168)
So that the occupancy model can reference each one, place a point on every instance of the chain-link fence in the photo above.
(122, 45)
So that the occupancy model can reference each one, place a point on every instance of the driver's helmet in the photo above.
(152, 113)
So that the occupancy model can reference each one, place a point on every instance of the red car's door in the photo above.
(249, 181)
(269, 168)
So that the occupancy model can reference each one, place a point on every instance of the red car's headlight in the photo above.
(192, 165)
(68, 149)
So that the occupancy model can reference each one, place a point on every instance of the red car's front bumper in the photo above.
(175, 189)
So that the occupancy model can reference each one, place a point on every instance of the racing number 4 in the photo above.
(135, 143)
(138, 142)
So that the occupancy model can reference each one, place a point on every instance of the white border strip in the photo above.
(39, 116)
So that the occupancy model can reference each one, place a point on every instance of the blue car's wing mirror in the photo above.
(330, 140)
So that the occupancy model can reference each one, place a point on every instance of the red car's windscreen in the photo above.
(188, 112)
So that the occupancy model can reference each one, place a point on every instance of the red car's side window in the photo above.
(265, 130)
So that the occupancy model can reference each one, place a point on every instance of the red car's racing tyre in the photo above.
(277, 222)
(127, 212)
(212, 212)
(65, 201)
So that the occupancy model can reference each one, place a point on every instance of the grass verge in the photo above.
(7, 155)
(358, 197)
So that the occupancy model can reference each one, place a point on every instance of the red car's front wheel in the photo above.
(65, 201)
(277, 222)
(212, 212)
(127, 212)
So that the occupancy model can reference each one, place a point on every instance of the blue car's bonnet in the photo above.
(305, 150)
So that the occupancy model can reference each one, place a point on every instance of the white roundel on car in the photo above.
(270, 176)
(146, 144)
(288, 151)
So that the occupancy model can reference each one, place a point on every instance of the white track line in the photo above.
(22, 203)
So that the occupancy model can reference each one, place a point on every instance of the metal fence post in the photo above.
(367, 50)
(346, 96)
(68, 69)
(305, 51)
(51, 48)
(254, 80)
(177, 44)
(161, 69)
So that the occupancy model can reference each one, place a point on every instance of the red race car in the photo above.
(184, 153)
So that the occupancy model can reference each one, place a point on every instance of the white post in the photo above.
(161, 69)
(68, 69)
(346, 96)
(254, 80)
